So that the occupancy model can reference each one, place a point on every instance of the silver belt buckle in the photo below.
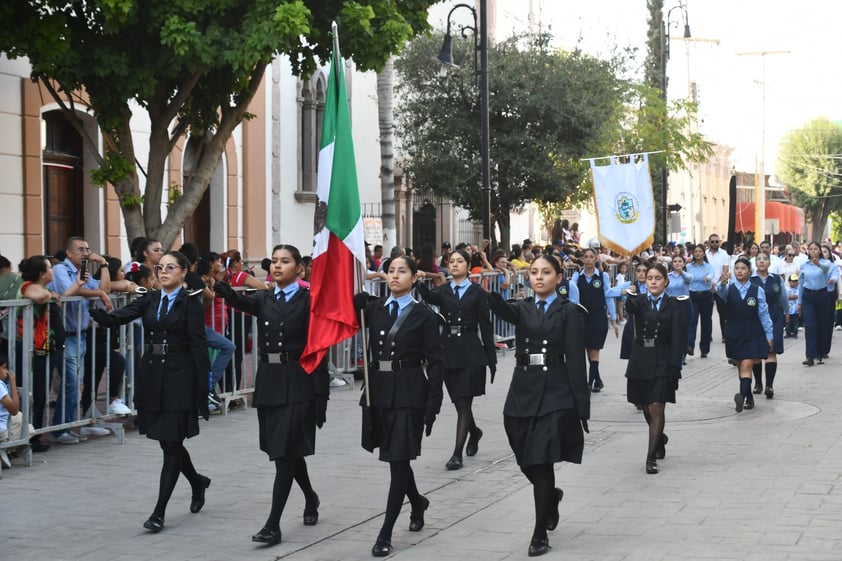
(537, 359)
(456, 330)
(273, 358)
(159, 348)
(649, 342)
(385, 366)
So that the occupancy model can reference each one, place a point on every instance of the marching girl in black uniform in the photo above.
(638, 287)
(171, 389)
(290, 403)
(548, 402)
(776, 299)
(404, 342)
(465, 355)
(660, 335)
(748, 332)
(594, 292)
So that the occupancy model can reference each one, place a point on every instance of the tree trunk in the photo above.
(504, 222)
(819, 215)
(385, 95)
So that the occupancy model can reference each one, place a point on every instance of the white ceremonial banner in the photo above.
(625, 205)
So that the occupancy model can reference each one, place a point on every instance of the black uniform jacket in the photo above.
(462, 347)
(538, 390)
(659, 338)
(282, 328)
(176, 381)
(417, 341)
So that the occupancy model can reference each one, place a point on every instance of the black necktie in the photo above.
(541, 305)
(456, 290)
(165, 307)
(393, 312)
(282, 296)
(655, 304)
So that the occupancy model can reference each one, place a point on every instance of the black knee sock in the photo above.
(464, 424)
(400, 472)
(757, 370)
(189, 471)
(771, 370)
(745, 388)
(169, 474)
(284, 474)
(593, 376)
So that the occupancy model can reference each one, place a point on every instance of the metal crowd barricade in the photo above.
(19, 350)
(241, 328)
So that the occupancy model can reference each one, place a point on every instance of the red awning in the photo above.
(790, 218)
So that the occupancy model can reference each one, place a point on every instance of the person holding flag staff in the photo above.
(405, 388)
(548, 403)
(171, 389)
(468, 348)
(594, 292)
(748, 331)
(290, 403)
(654, 368)
(776, 299)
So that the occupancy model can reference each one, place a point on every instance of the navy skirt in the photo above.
(398, 433)
(168, 426)
(596, 329)
(554, 437)
(465, 382)
(742, 347)
(656, 390)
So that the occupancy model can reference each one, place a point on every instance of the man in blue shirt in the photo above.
(77, 318)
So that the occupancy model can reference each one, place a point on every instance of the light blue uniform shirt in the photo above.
(169, 298)
(289, 291)
(762, 306)
(679, 284)
(403, 302)
(832, 276)
(549, 300)
(463, 286)
(813, 277)
(698, 273)
(607, 290)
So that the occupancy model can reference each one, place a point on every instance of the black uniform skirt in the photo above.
(554, 437)
(464, 382)
(741, 347)
(168, 426)
(288, 431)
(657, 390)
(399, 433)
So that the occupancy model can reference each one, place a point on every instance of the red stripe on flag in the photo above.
(332, 315)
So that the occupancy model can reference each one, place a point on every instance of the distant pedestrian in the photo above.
(703, 276)
(812, 297)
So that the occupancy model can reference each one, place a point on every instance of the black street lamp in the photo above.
(445, 56)
(665, 56)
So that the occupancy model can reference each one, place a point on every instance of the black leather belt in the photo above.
(460, 329)
(540, 359)
(652, 343)
(398, 365)
(161, 349)
(279, 358)
(818, 290)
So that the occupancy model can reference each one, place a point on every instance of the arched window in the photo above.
(312, 109)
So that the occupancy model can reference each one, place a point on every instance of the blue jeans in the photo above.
(68, 394)
(226, 351)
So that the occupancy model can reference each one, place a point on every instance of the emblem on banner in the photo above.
(628, 209)
(751, 302)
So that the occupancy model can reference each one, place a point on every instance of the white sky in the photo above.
(799, 86)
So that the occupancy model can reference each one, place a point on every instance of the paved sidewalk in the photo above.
(763, 484)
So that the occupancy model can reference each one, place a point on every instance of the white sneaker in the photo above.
(117, 407)
(94, 431)
(337, 382)
(838, 328)
(78, 436)
(66, 438)
(4, 459)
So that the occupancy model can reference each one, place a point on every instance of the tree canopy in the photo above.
(548, 110)
(810, 165)
(192, 66)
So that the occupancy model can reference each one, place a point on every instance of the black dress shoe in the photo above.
(738, 402)
(770, 393)
(598, 386)
(820, 360)
(416, 517)
(758, 389)
(154, 523)
(689, 351)
(651, 466)
(455, 462)
(538, 546)
(661, 451)
(311, 511)
(704, 355)
(552, 519)
(198, 499)
(381, 548)
(809, 362)
(749, 404)
(267, 536)
(473, 442)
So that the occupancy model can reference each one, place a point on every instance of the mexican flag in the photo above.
(338, 243)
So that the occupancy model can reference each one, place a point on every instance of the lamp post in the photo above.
(665, 56)
(445, 56)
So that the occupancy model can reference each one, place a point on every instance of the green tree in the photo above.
(548, 110)
(809, 165)
(192, 66)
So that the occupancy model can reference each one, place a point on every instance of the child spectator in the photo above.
(9, 408)
(792, 298)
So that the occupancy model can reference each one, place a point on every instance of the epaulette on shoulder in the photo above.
(582, 309)
(141, 290)
(195, 292)
(682, 298)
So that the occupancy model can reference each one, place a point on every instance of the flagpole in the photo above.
(334, 29)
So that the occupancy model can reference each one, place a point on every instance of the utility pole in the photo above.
(760, 171)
